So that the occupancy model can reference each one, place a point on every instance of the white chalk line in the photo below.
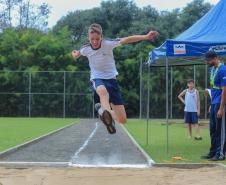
(110, 166)
(75, 156)
(149, 159)
(33, 163)
(65, 164)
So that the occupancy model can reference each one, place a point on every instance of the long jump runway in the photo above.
(86, 144)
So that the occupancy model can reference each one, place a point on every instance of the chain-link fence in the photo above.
(68, 94)
(46, 94)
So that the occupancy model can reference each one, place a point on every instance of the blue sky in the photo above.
(61, 8)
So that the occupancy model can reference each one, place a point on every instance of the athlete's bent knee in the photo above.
(122, 120)
(102, 91)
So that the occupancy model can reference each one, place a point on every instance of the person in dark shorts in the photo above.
(107, 95)
(192, 108)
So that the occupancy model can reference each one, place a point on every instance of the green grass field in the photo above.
(179, 145)
(14, 131)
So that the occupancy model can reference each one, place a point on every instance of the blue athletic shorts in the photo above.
(112, 87)
(191, 117)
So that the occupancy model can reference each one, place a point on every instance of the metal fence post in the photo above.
(64, 95)
(29, 94)
(148, 106)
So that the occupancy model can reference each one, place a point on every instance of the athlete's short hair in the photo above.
(190, 81)
(95, 28)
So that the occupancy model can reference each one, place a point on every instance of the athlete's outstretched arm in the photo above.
(75, 54)
(136, 38)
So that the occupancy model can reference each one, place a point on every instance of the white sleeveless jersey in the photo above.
(101, 61)
(191, 101)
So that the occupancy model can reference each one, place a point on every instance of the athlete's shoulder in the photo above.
(109, 39)
(111, 43)
(87, 45)
(85, 49)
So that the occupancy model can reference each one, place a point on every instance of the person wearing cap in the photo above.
(107, 95)
(217, 111)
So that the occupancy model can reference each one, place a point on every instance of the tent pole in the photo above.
(171, 92)
(194, 74)
(141, 98)
(167, 106)
(148, 101)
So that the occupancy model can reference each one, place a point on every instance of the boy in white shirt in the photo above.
(192, 108)
(107, 95)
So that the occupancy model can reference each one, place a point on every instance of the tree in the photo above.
(192, 12)
(32, 16)
(169, 24)
(119, 15)
(6, 13)
(23, 14)
(24, 46)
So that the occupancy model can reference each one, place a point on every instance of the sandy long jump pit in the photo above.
(107, 176)
(86, 154)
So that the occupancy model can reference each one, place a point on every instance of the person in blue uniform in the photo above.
(217, 112)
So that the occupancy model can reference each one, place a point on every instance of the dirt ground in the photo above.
(107, 176)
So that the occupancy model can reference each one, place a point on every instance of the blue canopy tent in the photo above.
(208, 33)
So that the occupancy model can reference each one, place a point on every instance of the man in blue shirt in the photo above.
(218, 101)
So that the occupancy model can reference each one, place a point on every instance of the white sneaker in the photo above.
(97, 106)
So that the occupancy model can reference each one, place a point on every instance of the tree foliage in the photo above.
(23, 14)
(26, 47)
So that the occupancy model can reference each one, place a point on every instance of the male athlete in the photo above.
(107, 95)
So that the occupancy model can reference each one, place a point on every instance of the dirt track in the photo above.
(105, 176)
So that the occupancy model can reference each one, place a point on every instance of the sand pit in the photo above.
(107, 176)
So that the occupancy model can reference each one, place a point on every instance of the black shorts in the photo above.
(112, 87)
(191, 117)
